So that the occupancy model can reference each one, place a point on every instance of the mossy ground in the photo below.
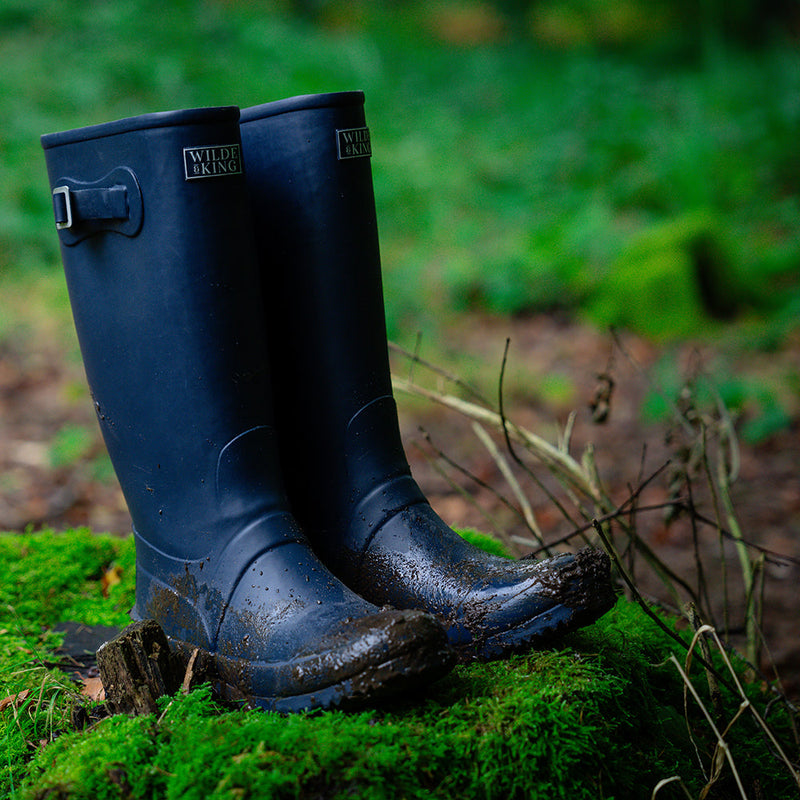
(599, 715)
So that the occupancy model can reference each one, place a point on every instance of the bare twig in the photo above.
(702, 587)
(722, 746)
(498, 529)
(666, 782)
(713, 684)
(525, 507)
(415, 358)
(746, 705)
(505, 426)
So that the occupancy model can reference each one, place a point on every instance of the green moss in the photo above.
(671, 281)
(484, 541)
(599, 715)
(54, 577)
(47, 578)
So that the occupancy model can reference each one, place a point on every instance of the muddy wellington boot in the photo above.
(156, 241)
(349, 483)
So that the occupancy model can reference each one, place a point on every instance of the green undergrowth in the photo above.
(598, 715)
(564, 163)
(571, 176)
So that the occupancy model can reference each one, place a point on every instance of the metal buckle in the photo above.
(67, 205)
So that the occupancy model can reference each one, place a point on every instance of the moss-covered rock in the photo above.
(671, 281)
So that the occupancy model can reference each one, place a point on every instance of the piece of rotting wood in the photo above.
(137, 668)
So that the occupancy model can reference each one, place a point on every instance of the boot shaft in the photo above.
(310, 179)
(156, 242)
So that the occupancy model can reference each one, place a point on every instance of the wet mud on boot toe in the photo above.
(581, 592)
(490, 606)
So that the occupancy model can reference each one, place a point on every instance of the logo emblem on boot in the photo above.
(211, 162)
(353, 143)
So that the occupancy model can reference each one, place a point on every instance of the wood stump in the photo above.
(137, 667)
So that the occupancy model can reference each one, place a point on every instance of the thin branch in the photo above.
(415, 358)
(665, 782)
(510, 447)
(612, 516)
(702, 587)
(721, 743)
(525, 507)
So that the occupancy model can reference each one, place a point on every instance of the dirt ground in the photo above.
(552, 369)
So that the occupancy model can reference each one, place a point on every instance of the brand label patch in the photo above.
(211, 162)
(353, 143)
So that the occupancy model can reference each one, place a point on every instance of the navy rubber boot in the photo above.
(349, 483)
(157, 246)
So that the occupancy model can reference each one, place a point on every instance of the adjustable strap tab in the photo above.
(114, 203)
(73, 206)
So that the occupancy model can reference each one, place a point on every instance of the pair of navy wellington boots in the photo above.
(224, 275)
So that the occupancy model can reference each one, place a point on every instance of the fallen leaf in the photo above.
(93, 689)
(111, 577)
(15, 700)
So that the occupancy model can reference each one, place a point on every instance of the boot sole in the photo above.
(540, 630)
(386, 680)
(415, 664)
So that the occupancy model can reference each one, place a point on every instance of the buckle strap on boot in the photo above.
(113, 203)
(84, 204)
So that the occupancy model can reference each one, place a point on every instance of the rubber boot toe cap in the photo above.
(298, 638)
(360, 661)
(490, 606)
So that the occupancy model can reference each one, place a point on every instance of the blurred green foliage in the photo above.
(71, 444)
(635, 162)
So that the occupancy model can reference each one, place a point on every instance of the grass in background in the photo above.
(510, 176)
